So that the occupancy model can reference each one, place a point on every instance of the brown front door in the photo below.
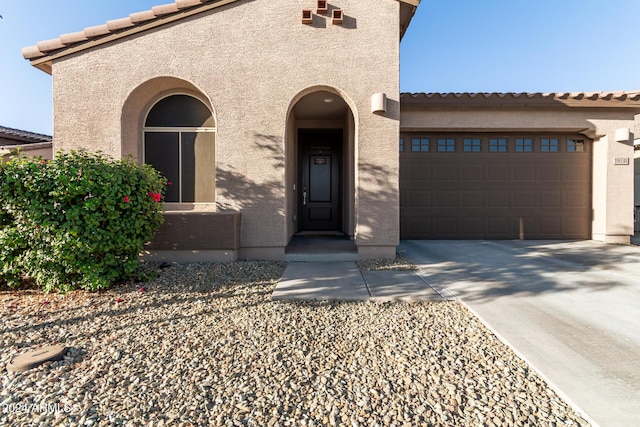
(319, 181)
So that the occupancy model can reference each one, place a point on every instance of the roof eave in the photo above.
(45, 60)
(623, 100)
(407, 10)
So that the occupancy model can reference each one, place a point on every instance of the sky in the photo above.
(451, 46)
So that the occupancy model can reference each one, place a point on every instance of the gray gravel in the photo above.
(203, 344)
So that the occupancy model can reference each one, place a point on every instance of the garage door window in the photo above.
(575, 145)
(446, 145)
(549, 145)
(498, 145)
(472, 145)
(524, 145)
(420, 144)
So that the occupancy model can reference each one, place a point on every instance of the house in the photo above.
(636, 180)
(273, 118)
(27, 143)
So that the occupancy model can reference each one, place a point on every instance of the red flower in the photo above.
(126, 199)
(156, 196)
(119, 300)
(142, 289)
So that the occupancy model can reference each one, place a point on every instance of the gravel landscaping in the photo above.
(203, 344)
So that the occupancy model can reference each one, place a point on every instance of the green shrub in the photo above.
(77, 221)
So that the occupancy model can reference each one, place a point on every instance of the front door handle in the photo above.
(304, 197)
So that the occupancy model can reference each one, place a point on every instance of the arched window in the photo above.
(179, 141)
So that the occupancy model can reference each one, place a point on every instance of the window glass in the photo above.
(446, 145)
(524, 145)
(575, 145)
(179, 111)
(549, 145)
(162, 151)
(184, 155)
(498, 145)
(472, 145)
(401, 144)
(420, 144)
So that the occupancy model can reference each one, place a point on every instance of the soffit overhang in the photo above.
(45, 52)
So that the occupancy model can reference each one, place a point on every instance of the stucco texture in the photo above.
(247, 61)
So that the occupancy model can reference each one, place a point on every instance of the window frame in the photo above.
(549, 146)
(448, 148)
(498, 146)
(524, 145)
(180, 130)
(421, 144)
(472, 145)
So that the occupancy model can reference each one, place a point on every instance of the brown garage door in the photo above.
(485, 186)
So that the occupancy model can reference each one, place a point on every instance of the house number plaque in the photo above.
(320, 161)
(621, 161)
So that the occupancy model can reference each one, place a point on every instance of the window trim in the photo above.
(179, 131)
(549, 146)
(498, 145)
(421, 145)
(472, 139)
(446, 145)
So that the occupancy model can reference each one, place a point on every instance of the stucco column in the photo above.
(613, 187)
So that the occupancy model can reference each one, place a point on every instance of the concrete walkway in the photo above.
(345, 281)
(570, 309)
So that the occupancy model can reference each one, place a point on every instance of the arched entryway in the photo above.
(321, 151)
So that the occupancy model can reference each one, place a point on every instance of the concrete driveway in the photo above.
(571, 309)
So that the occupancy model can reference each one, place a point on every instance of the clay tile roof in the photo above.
(44, 52)
(97, 31)
(117, 24)
(71, 38)
(572, 98)
(23, 136)
(114, 27)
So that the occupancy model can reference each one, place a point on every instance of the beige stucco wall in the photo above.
(612, 191)
(636, 181)
(249, 60)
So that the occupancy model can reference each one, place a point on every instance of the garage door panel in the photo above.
(577, 172)
(472, 227)
(550, 227)
(472, 172)
(498, 172)
(551, 172)
(419, 198)
(496, 195)
(523, 199)
(445, 172)
(446, 199)
(497, 199)
(575, 199)
(471, 199)
(499, 227)
(550, 199)
(446, 226)
(524, 172)
(419, 172)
